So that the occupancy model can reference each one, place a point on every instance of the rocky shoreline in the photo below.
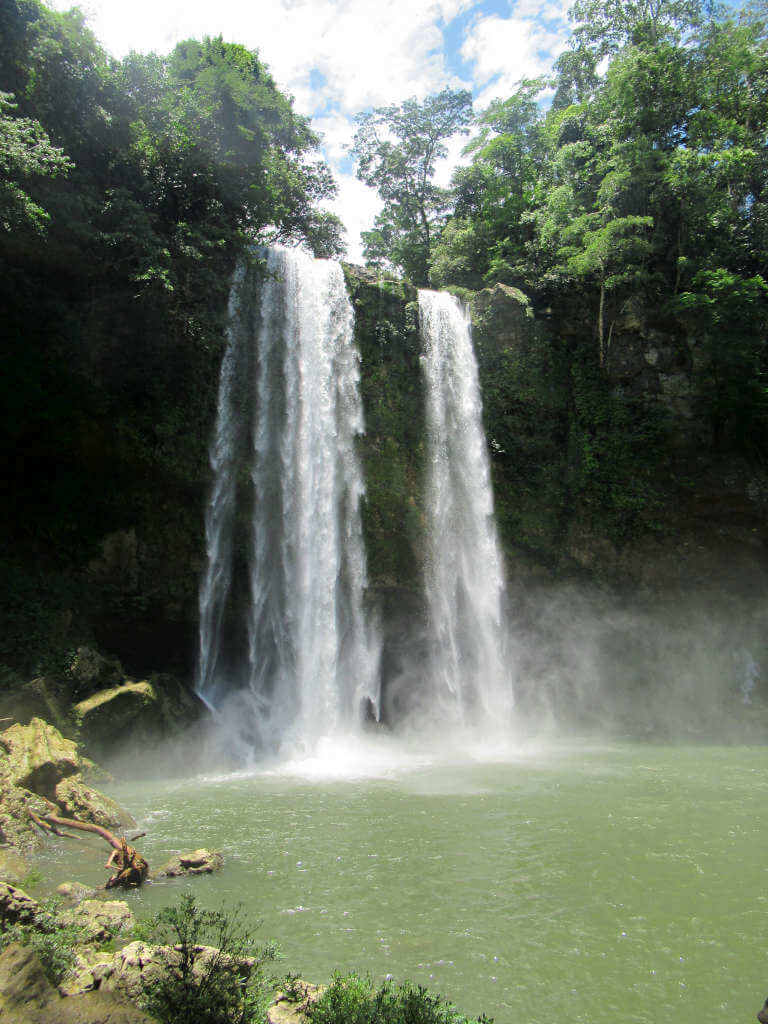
(111, 969)
(104, 985)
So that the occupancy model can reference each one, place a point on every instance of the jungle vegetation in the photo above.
(628, 188)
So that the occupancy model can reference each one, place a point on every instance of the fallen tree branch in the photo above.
(129, 866)
(48, 828)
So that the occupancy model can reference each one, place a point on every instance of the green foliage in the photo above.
(209, 985)
(605, 26)
(293, 988)
(128, 189)
(615, 454)
(731, 314)
(353, 999)
(392, 449)
(397, 148)
(641, 188)
(25, 152)
(53, 941)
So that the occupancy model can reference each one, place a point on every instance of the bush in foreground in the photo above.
(352, 999)
(219, 975)
(53, 941)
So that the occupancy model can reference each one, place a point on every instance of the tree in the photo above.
(220, 983)
(730, 315)
(397, 149)
(605, 26)
(26, 152)
(490, 230)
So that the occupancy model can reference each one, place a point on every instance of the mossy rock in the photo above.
(100, 920)
(39, 757)
(77, 800)
(502, 317)
(134, 712)
(90, 671)
(37, 764)
(36, 698)
(13, 867)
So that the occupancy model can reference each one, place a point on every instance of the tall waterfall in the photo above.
(289, 404)
(471, 679)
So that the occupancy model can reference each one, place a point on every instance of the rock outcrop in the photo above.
(16, 907)
(38, 764)
(134, 713)
(199, 862)
(99, 920)
(28, 997)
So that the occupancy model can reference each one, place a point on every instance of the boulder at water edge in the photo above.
(37, 761)
(100, 920)
(28, 997)
(199, 862)
(134, 714)
(16, 907)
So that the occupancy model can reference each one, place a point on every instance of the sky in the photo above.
(340, 57)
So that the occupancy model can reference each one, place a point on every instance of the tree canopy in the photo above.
(397, 149)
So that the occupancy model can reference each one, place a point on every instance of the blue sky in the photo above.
(338, 57)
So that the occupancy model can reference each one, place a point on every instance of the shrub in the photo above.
(352, 999)
(53, 941)
(218, 976)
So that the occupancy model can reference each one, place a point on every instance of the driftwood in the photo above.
(129, 866)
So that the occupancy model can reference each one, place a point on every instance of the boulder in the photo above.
(13, 867)
(199, 862)
(93, 1008)
(135, 713)
(101, 920)
(77, 800)
(16, 907)
(36, 698)
(36, 762)
(91, 967)
(24, 987)
(91, 671)
(112, 715)
(291, 1007)
(39, 757)
(73, 893)
(137, 965)
(130, 970)
(15, 826)
(28, 997)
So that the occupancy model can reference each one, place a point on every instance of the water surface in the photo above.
(585, 883)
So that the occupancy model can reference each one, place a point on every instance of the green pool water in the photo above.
(576, 882)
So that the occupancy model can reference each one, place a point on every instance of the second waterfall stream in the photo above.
(469, 672)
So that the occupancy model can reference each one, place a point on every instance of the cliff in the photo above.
(607, 476)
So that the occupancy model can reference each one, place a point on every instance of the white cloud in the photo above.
(338, 57)
(504, 50)
(357, 205)
(362, 52)
(445, 167)
(369, 53)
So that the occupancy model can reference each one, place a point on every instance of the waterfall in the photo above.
(310, 658)
(464, 581)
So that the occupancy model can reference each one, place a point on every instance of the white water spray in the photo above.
(311, 658)
(471, 678)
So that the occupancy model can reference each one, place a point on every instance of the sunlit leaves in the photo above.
(397, 149)
(26, 152)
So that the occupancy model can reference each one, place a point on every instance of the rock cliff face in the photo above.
(604, 474)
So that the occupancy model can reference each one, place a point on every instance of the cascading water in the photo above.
(311, 660)
(471, 679)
